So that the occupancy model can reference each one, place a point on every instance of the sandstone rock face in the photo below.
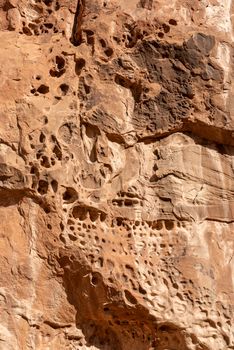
(116, 175)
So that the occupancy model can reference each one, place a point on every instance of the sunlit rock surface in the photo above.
(116, 175)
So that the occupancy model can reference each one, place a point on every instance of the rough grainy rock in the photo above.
(116, 175)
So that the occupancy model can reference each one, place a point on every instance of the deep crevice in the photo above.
(76, 38)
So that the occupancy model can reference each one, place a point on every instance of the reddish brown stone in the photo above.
(116, 175)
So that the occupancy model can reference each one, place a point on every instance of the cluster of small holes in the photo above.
(133, 32)
(84, 213)
(43, 21)
(169, 338)
(136, 241)
(126, 200)
(47, 153)
(141, 271)
(43, 186)
(143, 241)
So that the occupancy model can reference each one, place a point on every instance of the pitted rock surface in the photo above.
(116, 175)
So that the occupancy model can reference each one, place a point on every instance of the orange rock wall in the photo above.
(116, 175)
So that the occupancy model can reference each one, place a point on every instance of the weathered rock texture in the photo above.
(116, 175)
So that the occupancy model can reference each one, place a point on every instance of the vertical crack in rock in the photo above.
(76, 38)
